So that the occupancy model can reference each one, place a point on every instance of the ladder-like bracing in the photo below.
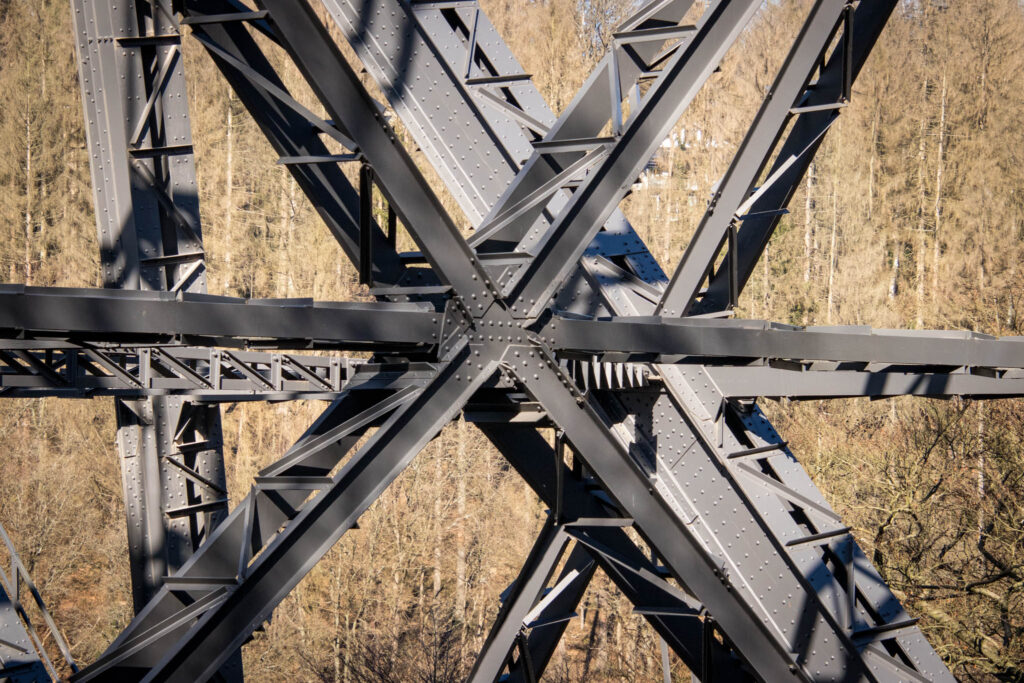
(626, 399)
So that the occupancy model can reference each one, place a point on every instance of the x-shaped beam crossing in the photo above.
(536, 304)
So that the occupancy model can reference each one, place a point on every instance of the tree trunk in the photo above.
(438, 526)
(29, 182)
(874, 158)
(832, 247)
(981, 470)
(336, 640)
(460, 529)
(894, 282)
(809, 221)
(229, 184)
(765, 301)
(922, 199)
(593, 639)
(939, 163)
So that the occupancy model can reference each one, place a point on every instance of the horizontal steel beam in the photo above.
(34, 369)
(139, 317)
(771, 382)
(665, 340)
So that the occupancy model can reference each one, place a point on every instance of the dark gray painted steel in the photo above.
(19, 662)
(23, 658)
(38, 369)
(835, 382)
(161, 316)
(805, 136)
(667, 339)
(806, 617)
(292, 130)
(665, 607)
(199, 373)
(523, 597)
(608, 183)
(140, 143)
(752, 155)
(501, 119)
(292, 552)
(351, 107)
(147, 213)
(754, 636)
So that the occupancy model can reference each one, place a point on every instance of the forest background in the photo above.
(912, 216)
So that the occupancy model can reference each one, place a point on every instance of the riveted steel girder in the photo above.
(139, 140)
(701, 477)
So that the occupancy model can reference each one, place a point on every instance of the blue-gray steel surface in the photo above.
(84, 314)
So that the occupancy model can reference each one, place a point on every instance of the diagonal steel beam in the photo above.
(753, 633)
(296, 28)
(753, 154)
(668, 611)
(511, 621)
(502, 119)
(292, 130)
(201, 650)
(551, 615)
(716, 510)
(816, 113)
(605, 187)
(277, 497)
(304, 36)
(23, 655)
(597, 103)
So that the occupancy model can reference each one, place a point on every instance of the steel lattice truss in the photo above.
(553, 316)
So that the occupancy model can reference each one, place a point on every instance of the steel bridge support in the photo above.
(553, 315)
(147, 212)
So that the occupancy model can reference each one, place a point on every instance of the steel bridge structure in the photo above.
(625, 397)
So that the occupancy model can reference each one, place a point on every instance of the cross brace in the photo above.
(550, 300)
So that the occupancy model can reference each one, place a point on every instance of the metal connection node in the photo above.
(553, 314)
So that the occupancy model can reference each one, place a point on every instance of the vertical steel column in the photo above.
(147, 215)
